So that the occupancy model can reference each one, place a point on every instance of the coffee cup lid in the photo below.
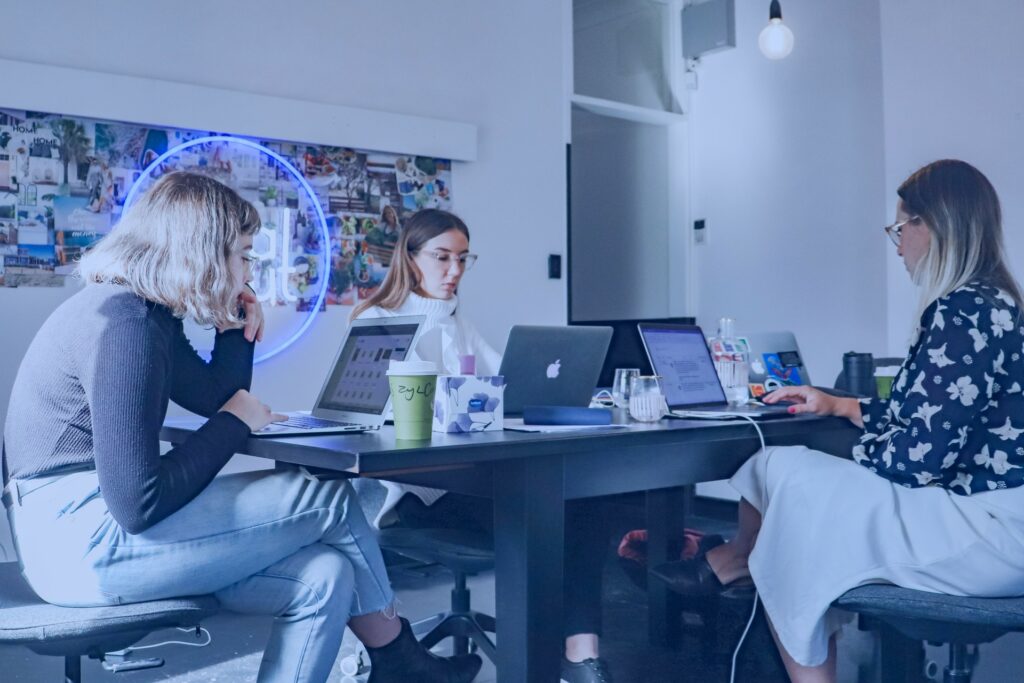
(411, 367)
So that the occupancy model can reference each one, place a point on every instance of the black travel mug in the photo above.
(859, 369)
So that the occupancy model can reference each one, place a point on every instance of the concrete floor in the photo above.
(235, 650)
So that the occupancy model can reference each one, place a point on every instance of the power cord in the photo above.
(602, 399)
(753, 612)
(743, 636)
(198, 630)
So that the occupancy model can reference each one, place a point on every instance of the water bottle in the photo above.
(859, 372)
(732, 362)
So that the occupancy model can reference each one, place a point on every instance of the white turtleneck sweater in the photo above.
(444, 336)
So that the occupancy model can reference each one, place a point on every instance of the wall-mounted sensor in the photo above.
(555, 266)
(699, 231)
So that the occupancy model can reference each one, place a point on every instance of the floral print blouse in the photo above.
(956, 415)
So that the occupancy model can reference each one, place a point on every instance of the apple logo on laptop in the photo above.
(554, 368)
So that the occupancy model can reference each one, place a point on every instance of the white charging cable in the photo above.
(200, 629)
(753, 612)
(743, 636)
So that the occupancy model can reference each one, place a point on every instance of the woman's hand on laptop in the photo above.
(249, 410)
(816, 402)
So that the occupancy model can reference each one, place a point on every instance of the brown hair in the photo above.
(403, 275)
(961, 209)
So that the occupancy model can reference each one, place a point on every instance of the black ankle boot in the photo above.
(405, 660)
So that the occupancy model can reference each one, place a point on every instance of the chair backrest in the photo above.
(878, 362)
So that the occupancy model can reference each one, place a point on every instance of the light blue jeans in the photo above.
(277, 543)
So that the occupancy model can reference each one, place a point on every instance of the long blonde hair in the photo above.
(402, 277)
(173, 245)
(961, 209)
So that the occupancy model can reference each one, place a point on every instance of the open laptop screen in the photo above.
(679, 354)
(359, 380)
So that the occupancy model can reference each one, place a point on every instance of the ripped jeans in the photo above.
(273, 542)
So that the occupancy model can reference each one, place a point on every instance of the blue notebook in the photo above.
(565, 415)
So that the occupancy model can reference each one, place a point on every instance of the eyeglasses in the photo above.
(895, 231)
(444, 258)
(250, 262)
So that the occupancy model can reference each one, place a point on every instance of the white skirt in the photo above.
(830, 525)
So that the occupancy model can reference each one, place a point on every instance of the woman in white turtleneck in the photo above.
(430, 259)
(445, 334)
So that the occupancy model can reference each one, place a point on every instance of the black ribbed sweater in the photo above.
(93, 389)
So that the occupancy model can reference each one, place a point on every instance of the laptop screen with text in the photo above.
(679, 354)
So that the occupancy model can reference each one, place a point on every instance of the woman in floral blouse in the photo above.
(932, 499)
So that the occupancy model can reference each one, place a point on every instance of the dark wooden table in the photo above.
(529, 476)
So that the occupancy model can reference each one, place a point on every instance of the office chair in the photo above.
(906, 616)
(463, 553)
(76, 632)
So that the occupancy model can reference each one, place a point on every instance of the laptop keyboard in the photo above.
(310, 422)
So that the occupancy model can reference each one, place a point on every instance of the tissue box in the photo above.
(464, 403)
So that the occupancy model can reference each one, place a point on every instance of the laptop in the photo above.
(680, 355)
(552, 366)
(356, 395)
(775, 361)
(626, 350)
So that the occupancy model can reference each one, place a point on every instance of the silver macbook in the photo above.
(356, 395)
(679, 354)
(775, 361)
(552, 366)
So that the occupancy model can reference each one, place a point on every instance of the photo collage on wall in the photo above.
(64, 181)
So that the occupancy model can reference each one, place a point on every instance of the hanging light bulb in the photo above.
(776, 40)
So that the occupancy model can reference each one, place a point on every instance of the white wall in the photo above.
(497, 65)
(787, 169)
(954, 88)
(450, 60)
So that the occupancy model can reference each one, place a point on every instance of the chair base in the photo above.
(462, 628)
(903, 658)
(72, 670)
(961, 664)
(115, 663)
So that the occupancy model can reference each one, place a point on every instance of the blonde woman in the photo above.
(932, 499)
(100, 517)
(430, 259)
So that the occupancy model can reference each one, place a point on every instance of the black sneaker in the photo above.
(587, 671)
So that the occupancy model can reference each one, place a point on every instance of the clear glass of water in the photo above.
(621, 385)
(734, 373)
(646, 402)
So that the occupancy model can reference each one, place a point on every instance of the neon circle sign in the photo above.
(277, 268)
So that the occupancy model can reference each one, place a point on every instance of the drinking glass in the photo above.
(621, 385)
(646, 402)
(734, 374)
